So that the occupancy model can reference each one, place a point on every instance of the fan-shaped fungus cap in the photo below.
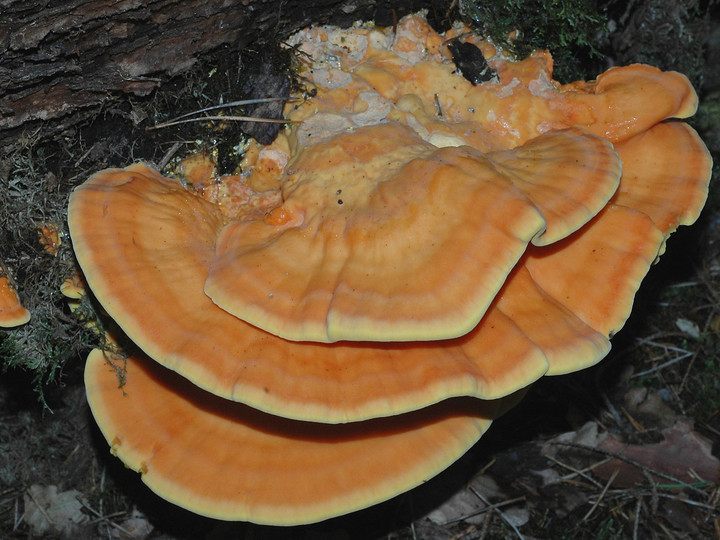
(549, 298)
(666, 172)
(12, 312)
(228, 461)
(376, 220)
(130, 229)
(646, 96)
(132, 245)
(302, 265)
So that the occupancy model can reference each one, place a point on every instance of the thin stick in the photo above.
(576, 472)
(222, 118)
(486, 467)
(42, 510)
(602, 494)
(663, 365)
(105, 519)
(687, 372)
(463, 534)
(168, 156)
(634, 464)
(636, 523)
(500, 512)
(483, 510)
(236, 104)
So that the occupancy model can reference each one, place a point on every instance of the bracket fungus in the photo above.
(270, 469)
(12, 312)
(386, 277)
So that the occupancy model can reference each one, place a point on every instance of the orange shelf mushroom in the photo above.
(232, 462)
(413, 246)
(12, 312)
(136, 216)
(380, 217)
(177, 324)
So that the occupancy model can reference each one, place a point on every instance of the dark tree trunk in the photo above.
(61, 61)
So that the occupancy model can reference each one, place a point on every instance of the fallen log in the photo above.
(62, 62)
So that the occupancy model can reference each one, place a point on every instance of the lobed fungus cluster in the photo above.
(343, 320)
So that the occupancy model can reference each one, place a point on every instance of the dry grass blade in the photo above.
(578, 472)
(636, 521)
(483, 510)
(634, 463)
(107, 519)
(688, 501)
(236, 104)
(185, 118)
(663, 365)
(602, 494)
(221, 118)
(500, 512)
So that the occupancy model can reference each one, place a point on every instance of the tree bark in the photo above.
(62, 61)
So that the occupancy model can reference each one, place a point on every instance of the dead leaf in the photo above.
(681, 450)
(517, 515)
(651, 407)
(136, 527)
(587, 435)
(689, 327)
(47, 511)
(460, 505)
(466, 503)
(679, 515)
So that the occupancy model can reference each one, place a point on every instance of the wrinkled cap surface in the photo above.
(388, 238)
(131, 227)
(368, 73)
